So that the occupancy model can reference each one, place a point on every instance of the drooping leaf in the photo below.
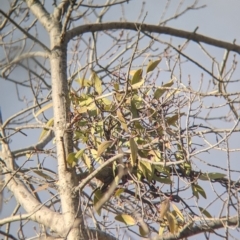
(45, 131)
(125, 218)
(97, 83)
(152, 65)
(117, 180)
(188, 168)
(116, 86)
(122, 120)
(205, 212)
(195, 192)
(93, 152)
(200, 190)
(142, 232)
(134, 151)
(79, 153)
(102, 147)
(87, 161)
(134, 110)
(178, 212)
(97, 196)
(71, 159)
(172, 222)
(161, 90)
(147, 165)
(49, 105)
(137, 100)
(137, 76)
(119, 192)
(164, 208)
(147, 170)
(161, 230)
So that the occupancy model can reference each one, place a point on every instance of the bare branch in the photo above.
(25, 32)
(95, 27)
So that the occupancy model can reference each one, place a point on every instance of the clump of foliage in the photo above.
(143, 121)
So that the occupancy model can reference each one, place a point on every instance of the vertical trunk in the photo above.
(61, 107)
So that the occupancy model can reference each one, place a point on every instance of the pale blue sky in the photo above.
(220, 19)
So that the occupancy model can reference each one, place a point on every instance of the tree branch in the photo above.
(38, 212)
(22, 57)
(94, 173)
(96, 27)
(41, 13)
(208, 226)
(34, 39)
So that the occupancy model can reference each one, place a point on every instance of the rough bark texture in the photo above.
(67, 178)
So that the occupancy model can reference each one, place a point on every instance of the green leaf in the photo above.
(43, 175)
(116, 86)
(84, 82)
(87, 161)
(80, 153)
(205, 212)
(152, 65)
(216, 175)
(97, 83)
(86, 100)
(137, 101)
(97, 196)
(125, 218)
(172, 222)
(119, 192)
(49, 105)
(187, 167)
(178, 212)
(134, 110)
(195, 192)
(162, 180)
(162, 169)
(102, 147)
(211, 176)
(147, 165)
(172, 120)
(161, 230)
(45, 131)
(137, 76)
(134, 151)
(72, 160)
(122, 120)
(117, 180)
(198, 190)
(160, 91)
(138, 84)
(147, 170)
(142, 232)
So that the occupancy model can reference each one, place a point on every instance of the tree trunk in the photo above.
(61, 106)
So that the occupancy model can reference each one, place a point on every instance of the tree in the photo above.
(113, 132)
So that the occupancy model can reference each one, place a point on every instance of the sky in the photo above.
(219, 19)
